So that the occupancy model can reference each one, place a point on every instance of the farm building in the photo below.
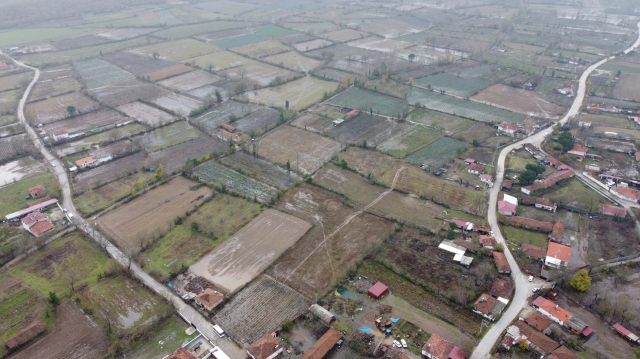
(488, 242)
(613, 211)
(469, 161)
(537, 341)
(85, 162)
(488, 307)
(548, 182)
(326, 342)
(532, 149)
(488, 179)
(59, 135)
(506, 208)
(506, 185)
(584, 123)
(37, 191)
(628, 194)
(579, 155)
(35, 208)
(438, 347)
(558, 255)
(267, 347)
(465, 226)
(458, 252)
(557, 233)
(209, 299)
(605, 177)
(553, 161)
(378, 290)
(322, 313)
(529, 223)
(540, 321)
(507, 129)
(475, 169)
(511, 199)
(227, 136)
(228, 127)
(502, 289)
(603, 108)
(471, 247)
(626, 333)
(338, 122)
(546, 205)
(501, 263)
(351, 114)
(551, 310)
(534, 252)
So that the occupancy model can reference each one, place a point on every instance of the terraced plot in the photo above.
(96, 72)
(212, 172)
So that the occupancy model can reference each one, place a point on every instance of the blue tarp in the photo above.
(365, 329)
(395, 320)
(170, 285)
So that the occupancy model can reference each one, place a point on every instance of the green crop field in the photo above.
(272, 31)
(13, 196)
(520, 236)
(409, 140)
(439, 120)
(438, 152)
(366, 100)
(469, 109)
(177, 50)
(220, 175)
(218, 60)
(22, 36)
(453, 85)
(94, 200)
(241, 40)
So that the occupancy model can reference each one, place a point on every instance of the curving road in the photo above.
(192, 315)
(522, 292)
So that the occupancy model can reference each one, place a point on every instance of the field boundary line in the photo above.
(380, 197)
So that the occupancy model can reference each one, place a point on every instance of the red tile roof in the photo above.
(536, 338)
(507, 184)
(181, 353)
(551, 180)
(629, 192)
(209, 297)
(579, 147)
(558, 231)
(544, 202)
(37, 191)
(530, 223)
(59, 132)
(613, 211)
(228, 127)
(533, 251)
(468, 245)
(34, 217)
(486, 177)
(470, 160)
(539, 321)
(264, 347)
(559, 251)
(553, 161)
(438, 346)
(507, 207)
(84, 161)
(502, 288)
(507, 340)
(501, 262)
(486, 304)
(488, 241)
(507, 126)
(564, 353)
(457, 353)
(552, 308)
(41, 227)
(320, 348)
(476, 167)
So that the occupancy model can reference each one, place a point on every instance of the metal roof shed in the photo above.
(378, 290)
(322, 313)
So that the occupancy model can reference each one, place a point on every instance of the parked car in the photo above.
(536, 290)
(530, 278)
(397, 344)
(404, 343)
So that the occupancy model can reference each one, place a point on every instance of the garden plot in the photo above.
(371, 129)
(146, 114)
(294, 39)
(224, 113)
(215, 173)
(178, 104)
(55, 108)
(258, 72)
(108, 172)
(367, 101)
(74, 42)
(174, 158)
(340, 238)
(469, 109)
(241, 40)
(15, 146)
(382, 45)
(96, 72)
(251, 250)
(411, 139)
(190, 81)
(437, 153)
(300, 93)
(294, 61)
(453, 85)
(519, 100)
(92, 121)
(312, 45)
(258, 121)
(152, 213)
(171, 135)
(262, 49)
(482, 132)
(224, 34)
(245, 318)
(120, 93)
(124, 34)
(333, 74)
(114, 149)
(627, 87)
(264, 171)
(43, 90)
(344, 35)
(20, 306)
(176, 50)
(208, 92)
(139, 65)
(56, 72)
(168, 72)
(305, 151)
(218, 60)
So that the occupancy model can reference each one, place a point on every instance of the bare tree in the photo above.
(242, 71)
(72, 277)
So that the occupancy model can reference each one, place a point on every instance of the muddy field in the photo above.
(223, 113)
(305, 151)
(146, 114)
(91, 121)
(245, 318)
(251, 250)
(257, 121)
(74, 336)
(152, 213)
(627, 87)
(56, 72)
(519, 100)
(55, 108)
(173, 158)
(341, 236)
(300, 93)
(379, 44)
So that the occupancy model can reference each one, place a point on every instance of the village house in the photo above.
(558, 255)
(628, 194)
(553, 161)
(502, 289)
(41, 228)
(551, 310)
(564, 353)
(475, 169)
(531, 148)
(579, 155)
(581, 148)
(228, 127)
(181, 353)
(471, 247)
(438, 347)
(488, 179)
(488, 242)
(613, 211)
(538, 342)
(267, 347)
(37, 191)
(469, 161)
(209, 299)
(506, 185)
(37, 223)
(501, 263)
(506, 208)
(507, 129)
(326, 342)
(85, 162)
(578, 136)
(227, 136)
(540, 322)
(546, 205)
(59, 135)
(465, 226)
(548, 182)
(488, 307)
(534, 252)
(584, 123)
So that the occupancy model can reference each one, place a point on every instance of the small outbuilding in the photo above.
(322, 313)
(37, 191)
(378, 290)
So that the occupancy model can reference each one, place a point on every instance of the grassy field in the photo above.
(516, 162)
(453, 85)
(20, 305)
(437, 153)
(574, 193)
(366, 101)
(13, 196)
(241, 40)
(233, 181)
(15, 37)
(410, 140)
(520, 236)
(218, 60)
(217, 220)
(177, 50)
(73, 258)
(171, 334)
(300, 93)
(12, 82)
(262, 49)
(94, 200)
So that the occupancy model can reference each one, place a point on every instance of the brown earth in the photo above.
(627, 87)
(518, 100)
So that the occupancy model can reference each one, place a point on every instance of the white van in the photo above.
(71, 216)
(218, 330)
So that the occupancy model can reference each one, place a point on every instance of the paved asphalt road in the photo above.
(202, 324)
(522, 285)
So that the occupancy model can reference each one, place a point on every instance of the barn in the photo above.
(378, 290)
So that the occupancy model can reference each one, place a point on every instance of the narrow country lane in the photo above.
(483, 350)
(202, 324)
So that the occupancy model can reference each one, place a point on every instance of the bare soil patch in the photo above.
(518, 100)
(627, 87)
